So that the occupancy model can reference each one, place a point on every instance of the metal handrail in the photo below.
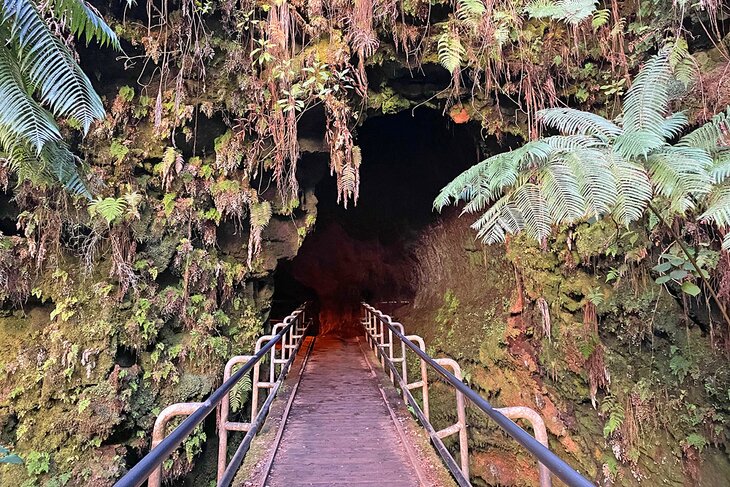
(154, 459)
(547, 458)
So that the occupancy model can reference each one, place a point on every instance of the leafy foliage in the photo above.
(571, 11)
(240, 393)
(611, 407)
(108, 208)
(450, 51)
(470, 10)
(601, 167)
(35, 63)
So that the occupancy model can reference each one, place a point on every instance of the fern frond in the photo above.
(647, 101)
(633, 188)
(571, 11)
(720, 170)
(541, 9)
(500, 219)
(62, 166)
(240, 393)
(470, 10)
(84, 21)
(600, 18)
(680, 174)
(571, 121)
(561, 190)
(530, 202)
(260, 214)
(108, 208)
(718, 207)
(576, 11)
(50, 67)
(596, 181)
(639, 143)
(674, 125)
(450, 51)
(712, 134)
(681, 61)
(19, 112)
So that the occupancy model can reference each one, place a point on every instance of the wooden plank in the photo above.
(339, 430)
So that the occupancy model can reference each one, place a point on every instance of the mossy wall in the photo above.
(111, 310)
(637, 396)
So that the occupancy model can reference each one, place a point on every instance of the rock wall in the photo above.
(629, 386)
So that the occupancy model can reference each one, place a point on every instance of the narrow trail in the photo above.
(339, 430)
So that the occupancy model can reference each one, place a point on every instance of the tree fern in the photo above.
(35, 63)
(600, 167)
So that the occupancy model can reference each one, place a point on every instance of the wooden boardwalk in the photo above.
(339, 430)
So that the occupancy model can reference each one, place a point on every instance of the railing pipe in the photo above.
(140, 472)
(554, 463)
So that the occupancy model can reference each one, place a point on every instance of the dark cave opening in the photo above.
(363, 252)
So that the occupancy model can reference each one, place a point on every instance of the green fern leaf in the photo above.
(600, 18)
(450, 51)
(647, 101)
(530, 202)
(718, 207)
(470, 10)
(571, 121)
(50, 67)
(633, 188)
(680, 174)
(712, 134)
(108, 208)
(84, 21)
(19, 113)
(260, 214)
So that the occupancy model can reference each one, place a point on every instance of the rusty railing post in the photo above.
(158, 432)
(460, 425)
(538, 427)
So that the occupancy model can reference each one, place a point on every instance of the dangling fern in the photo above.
(681, 61)
(470, 10)
(450, 51)
(260, 214)
(616, 415)
(108, 208)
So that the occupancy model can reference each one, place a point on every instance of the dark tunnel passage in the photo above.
(362, 253)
